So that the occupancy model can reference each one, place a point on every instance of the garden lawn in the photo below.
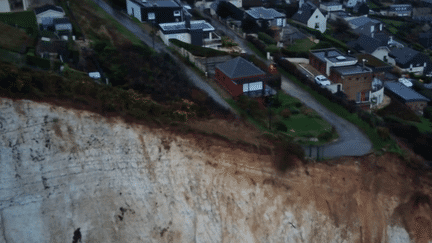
(25, 19)
(13, 39)
(305, 126)
(302, 45)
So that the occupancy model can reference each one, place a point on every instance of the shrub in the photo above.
(266, 38)
(325, 136)
(285, 113)
(427, 113)
(272, 49)
(383, 133)
(280, 126)
(294, 111)
(284, 153)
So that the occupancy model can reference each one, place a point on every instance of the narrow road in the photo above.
(352, 141)
(161, 48)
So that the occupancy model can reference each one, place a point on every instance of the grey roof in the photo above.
(333, 55)
(357, 22)
(404, 92)
(61, 21)
(401, 7)
(366, 43)
(403, 55)
(352, 69)
(304, 13)
(48, 7)
(238, 68)
(331, 4)
(195, 25)
(157, 4)
(264, 13)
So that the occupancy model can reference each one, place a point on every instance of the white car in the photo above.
(322, 80)
(406, 82)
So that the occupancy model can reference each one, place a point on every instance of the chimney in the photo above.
(326, 53)
(187, 21)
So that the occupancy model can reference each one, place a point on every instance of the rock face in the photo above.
(67, 175)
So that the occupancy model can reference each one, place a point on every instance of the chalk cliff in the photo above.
(66, 174)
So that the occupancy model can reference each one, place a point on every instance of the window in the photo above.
(177, 13)
(151, 16)
(279, 22)
(358, 97)
(316, 25)
(316, 16)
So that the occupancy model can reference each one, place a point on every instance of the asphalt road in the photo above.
(161, 48)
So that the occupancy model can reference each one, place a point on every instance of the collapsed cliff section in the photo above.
(67, 175)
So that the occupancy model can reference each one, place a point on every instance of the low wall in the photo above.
(298, 60)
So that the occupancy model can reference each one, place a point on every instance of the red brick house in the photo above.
(239, 76)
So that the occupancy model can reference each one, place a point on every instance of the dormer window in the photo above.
(177, 13)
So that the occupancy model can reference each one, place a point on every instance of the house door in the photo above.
(339, 88)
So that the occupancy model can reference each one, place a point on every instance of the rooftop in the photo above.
(195, 25)
(48, 7)
(264, 13)
(371, 60)
(238, 68)
(357, 22)
(331, 4)
(152, 3)
(304, 13)
(61, 21)
(404, 92)
(351, 70)
(333, 55)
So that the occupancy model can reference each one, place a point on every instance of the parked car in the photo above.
(322, 81)
(406, 82)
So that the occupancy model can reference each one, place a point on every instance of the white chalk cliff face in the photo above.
(61, 170)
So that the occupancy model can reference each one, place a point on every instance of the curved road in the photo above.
(161, 48)
(351, 142)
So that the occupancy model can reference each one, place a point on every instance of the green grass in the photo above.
(424, 126)
(73, 74)
(25, 19)
(370, 132)
(302, 45)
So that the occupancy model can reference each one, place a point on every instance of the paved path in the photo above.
(161, 48)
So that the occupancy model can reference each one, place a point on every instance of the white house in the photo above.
(273, 17)
(331, 6)
(4, 6)
(46, 14)
(309, 15)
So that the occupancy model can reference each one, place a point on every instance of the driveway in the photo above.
(161, 48)
(352, 141)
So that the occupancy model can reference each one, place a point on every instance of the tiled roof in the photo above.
(238, 68)
(331, 4)
(305, 12)
(264, 13)
(403, 55)
(365, 43)
(404, 92)
(357, 22)
(48, 7)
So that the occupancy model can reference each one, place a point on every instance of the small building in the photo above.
(356, 81)
(62, 24)
(340, 15)
(323, 59)
(401, 10)
(331, 6)
(409, 60)
(409, 97)
(46, 14)
(271, 16)
(165, 11)
(365, 25)
(310, 16)
(240, 77)
(197, 32)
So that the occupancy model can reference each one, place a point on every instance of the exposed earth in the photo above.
(67, 174)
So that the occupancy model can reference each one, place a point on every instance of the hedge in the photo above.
(257, 43)
(38, 62)
(266, 38)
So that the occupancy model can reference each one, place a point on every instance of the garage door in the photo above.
(252, 86)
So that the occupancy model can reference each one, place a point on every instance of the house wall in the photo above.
(380, 53)
(185, 37)
(63, 27)
(236, 89)
(379, 95)
(414, 69)
(317, 64)
(49, 16)
(317, 17)
(353, 84)
(237, 3)
(136, 12)
(162, 15)
(416, 105)
(331, 8)
(4, 6)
